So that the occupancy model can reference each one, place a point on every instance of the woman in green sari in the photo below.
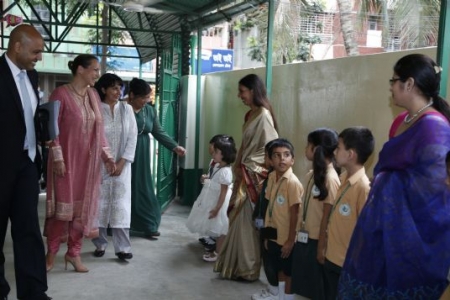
(145, 208)
(240, 256)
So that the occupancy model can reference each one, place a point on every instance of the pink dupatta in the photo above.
(82, 146)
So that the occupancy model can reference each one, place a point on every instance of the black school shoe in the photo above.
(99, 253)
(207, 240)
(44, 297)
(210, 247)
(124, 256)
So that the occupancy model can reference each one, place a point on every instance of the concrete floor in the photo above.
(168, 268)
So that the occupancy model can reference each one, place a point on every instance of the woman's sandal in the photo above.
(99, 253)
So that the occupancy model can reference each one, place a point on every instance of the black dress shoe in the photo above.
(124, 256)
(156, 233)
(99, 253)
(42, 297)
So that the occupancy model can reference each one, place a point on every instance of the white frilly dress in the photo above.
(198, 221)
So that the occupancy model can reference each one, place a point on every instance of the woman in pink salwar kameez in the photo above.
(75, 157)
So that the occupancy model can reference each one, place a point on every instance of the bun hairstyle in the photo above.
(107, 80)
(83, 60)
(139, 87)
(427, 78)
(325, 142)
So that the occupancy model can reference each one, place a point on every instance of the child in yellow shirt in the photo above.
(284, 192)
(355, 145)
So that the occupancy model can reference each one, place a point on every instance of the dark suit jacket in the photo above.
(12, 121)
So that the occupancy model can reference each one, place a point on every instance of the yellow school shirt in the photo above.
(344, 215)
(282, 194)
(313, 206)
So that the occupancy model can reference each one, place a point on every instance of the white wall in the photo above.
(335, 93)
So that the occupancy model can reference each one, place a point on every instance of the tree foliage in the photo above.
(410, 23)
(94, 36)
(288, 44)
(107, 36)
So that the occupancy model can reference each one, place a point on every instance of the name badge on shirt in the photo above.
(259, 223)
(302, 237)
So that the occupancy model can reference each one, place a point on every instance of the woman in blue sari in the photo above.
(400, 248)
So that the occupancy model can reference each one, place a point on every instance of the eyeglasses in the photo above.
(393, 80)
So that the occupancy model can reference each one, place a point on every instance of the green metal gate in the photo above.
(170, 73)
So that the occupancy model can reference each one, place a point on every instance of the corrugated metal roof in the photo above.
(177, 15)
(151, 29)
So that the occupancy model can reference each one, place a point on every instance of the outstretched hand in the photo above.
(180, 151)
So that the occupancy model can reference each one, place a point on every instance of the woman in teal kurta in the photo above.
(145, 208)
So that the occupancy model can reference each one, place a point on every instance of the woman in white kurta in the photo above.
(115, 196)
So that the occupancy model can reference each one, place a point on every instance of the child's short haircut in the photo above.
(215, 138)
(227, 146)
(280, 143)
(267, 146)
(359, 139)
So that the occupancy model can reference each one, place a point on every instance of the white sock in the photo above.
(281, 286)
(273, 289)
(288, 296)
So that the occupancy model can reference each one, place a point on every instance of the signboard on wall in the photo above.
(217, 60)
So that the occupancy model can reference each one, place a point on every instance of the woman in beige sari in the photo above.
(240, 254)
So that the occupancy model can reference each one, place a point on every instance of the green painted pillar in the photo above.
(196, 187)
(193, 49)
(189, 186)
(443, 52)
(271, 17)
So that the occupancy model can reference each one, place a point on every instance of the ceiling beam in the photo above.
(218, 16)
(106, 27)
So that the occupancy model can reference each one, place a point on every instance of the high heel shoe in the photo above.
(76, 263)
(49, 261)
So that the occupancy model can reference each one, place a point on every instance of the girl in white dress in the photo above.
(209, 212)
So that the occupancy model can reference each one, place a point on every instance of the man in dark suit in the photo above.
(21, 164)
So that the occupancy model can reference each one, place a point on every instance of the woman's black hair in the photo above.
(83, 60)
(324, 141)
(427, 78)
(228, 148)
(107, 80)
(139, 87)
(255, 84)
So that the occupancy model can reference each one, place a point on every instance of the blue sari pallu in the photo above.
(400, 248)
